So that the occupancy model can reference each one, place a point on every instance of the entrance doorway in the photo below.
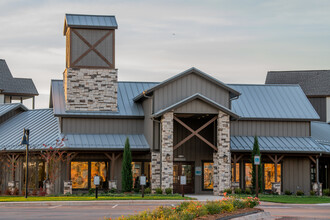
(184, 169)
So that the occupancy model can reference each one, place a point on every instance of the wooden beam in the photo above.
(270, 157)
(113, 159)
(312, 159)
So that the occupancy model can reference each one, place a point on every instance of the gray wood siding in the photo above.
(187, 86)
(102, 126)
(197, 107)
(296, 174)
(270, 128)
(148, 123)
(320, 106)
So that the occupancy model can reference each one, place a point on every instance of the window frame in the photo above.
(206, 161)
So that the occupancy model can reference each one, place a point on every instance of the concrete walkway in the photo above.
(204, 198)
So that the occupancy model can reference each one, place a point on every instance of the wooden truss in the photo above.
(275, 160)
(195, 133)
(235, 160)
(113, 159)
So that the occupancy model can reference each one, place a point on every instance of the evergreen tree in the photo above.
(126, 172)
(256, 152)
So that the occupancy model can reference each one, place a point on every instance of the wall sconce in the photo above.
(225, 158)
(168, 158)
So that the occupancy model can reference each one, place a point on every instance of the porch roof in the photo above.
(193, 97)
(5, 108)
(277, 144)
(105, 141)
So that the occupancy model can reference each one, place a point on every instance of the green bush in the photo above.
(159, 190)
(168, 191)
(238, 191)
(228, 191)
(136, 190)
(312, 193)
(126, 170)
(326, 192)
(147, 191)
(299, 193)
(91, 191)
(287, 192)
(213, 207)
(113, 190)
(248, 191)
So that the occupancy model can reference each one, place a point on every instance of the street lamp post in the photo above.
(25, 141)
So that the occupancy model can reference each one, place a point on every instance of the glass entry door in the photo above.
(184, 169)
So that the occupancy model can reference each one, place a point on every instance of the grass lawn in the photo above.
(92, 198)
(292, 199)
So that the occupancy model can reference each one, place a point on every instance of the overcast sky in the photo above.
(234, 41)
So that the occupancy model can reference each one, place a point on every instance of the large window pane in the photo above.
(136, 170)
(269, 174)
(79, 175)
(237, 172)
(99, 169)
(248, 175)
(207, 175)
(32, 175)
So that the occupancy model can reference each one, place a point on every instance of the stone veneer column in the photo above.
(155, 170)
(222, 158)
(167, 151)
(90, 89)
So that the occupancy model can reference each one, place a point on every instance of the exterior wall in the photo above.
(155, 170)
(222, 158)
(2, 98)
(167, 151)
(328, 110)
(148, 122)
(270, 128)
(187, 86)
(102, 126)
(90, 89)
(320, 105)
(196, 107)
(7, 99)
(7, 116)
(296, 174)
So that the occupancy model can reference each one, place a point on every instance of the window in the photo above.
(139, 168)
(99, 169)
(79, 175)
(37, 174)
(269, 174)
(207, 175)
(248, 175)
(313, 173)
(237, 172)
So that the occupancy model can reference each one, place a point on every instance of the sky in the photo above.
(235, 41)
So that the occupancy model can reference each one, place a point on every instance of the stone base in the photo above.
(67, 187)
(276, 188)
(112, 184)
(12, 185)
(317, 190)
(155, 171)
(50, 188)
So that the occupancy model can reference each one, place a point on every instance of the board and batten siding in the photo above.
(186, 86)
(148, 122)
(270, 128)
(197, 107)
(296, 174)
(320, 106)
(102, 126)
(328, 109)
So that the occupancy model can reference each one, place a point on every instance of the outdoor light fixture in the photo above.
(168, 158)
(25, 141)
(225, 158)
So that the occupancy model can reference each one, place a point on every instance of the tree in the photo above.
(256, 152)
(126, 172)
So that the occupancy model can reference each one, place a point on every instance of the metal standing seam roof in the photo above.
(126, 106)
(286, 102)
(5, 108)
(43, 125)
(90, 21)
(276, 144)
(320, 131)
(193, 97)
(105, 141)
(11, 85)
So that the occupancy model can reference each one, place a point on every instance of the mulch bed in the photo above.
(229, 215)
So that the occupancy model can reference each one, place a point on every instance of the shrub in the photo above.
(15, 192)
(287, 192)
(228, 191)
(113, 190)
(248, 191)
(147, 191)
(7, 192)
(126, 172)
(326, 192)
(159, 190)
(34, 192)
(299, 193)
(238, 191)
(312, 193)
(213, 207)
(136, 190)
(91, 191)
(168, 191)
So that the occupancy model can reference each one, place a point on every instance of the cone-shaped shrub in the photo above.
(126, 172)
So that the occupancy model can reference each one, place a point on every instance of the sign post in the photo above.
(143, 182)
(257, 163)
(183, 181)
(96, 183)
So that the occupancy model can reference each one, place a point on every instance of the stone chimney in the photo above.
(90, 77)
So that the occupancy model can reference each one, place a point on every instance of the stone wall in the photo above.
(222, 158)
(167, 150)
(90, 89)
(155, 170)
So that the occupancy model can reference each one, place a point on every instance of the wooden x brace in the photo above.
(195, 133)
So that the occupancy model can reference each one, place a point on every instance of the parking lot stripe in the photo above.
(114, 206)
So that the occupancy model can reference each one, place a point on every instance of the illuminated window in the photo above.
(79, 175)
(269, 174)
(237, 172)
(248, 175)
(37, 174)
(207, 175)
(139, 168)
(99, 169)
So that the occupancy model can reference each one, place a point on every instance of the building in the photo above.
(191, 124)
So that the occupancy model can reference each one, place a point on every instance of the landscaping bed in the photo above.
(292, 199)
(236, 213)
